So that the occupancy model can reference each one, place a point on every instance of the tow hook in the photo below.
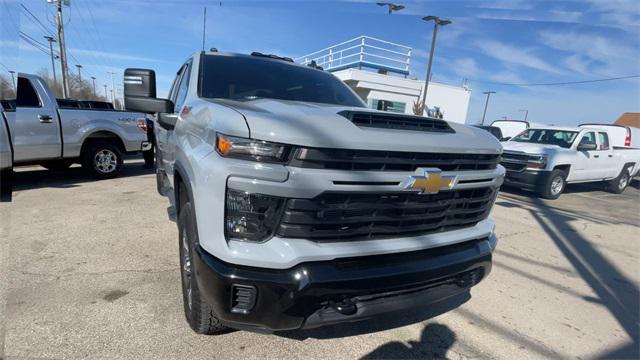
(344, 307)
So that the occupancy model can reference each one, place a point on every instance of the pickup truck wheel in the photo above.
(198, 312)
(56, 165)
(102, 159)
(620, 183)
(554, 186)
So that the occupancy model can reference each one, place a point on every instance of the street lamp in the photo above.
(526, 113)
(488, 93)
(51, 40)
(93, 78)
(436, 22)
(105, 92)
(391, 6)
(79, 75)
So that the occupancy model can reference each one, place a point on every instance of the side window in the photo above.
(603, 138)
(27, 95)
(174, 85)
(588, 138)
(181, 94)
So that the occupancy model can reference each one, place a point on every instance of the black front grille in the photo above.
(517, 167)
(514, 161)
(336, 216)
(373, 160)
(397, 121)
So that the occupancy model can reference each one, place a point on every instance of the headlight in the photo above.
(537, 162)
(251, 217)
(251, 149)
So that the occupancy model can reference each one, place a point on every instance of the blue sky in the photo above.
(488, 41)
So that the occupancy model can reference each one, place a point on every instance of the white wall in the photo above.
(452, 100)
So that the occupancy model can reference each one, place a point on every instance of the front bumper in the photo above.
(528, 179)
(311, 294)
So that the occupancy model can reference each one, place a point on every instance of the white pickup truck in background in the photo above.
(546, 159)
(620, 136)
(41, 132)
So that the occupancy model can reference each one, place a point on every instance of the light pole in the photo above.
(51, 40)
(79, 74)
(93, 79)
(488, 93)
(105, 92)
(526, 113)
(391, 6)
(13, 80)
(436, 22)
(113, 87)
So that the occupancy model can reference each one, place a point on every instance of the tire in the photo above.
(56, 165)
(198, 312)
(6, 185)
(620, 183)
(102, 160)
(554, 185)
(149, 158)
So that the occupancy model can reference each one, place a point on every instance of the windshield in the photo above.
(547, 136)
(249, 78)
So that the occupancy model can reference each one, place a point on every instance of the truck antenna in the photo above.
(204, 27)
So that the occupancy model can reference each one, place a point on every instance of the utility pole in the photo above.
(204, 27)
(436, 22)
(526, 113)
(13, 80)
(63, 50)
(51, 40)
(488, 93)
(113, 87)
(105, 92)
(93, 79)
(79, 75)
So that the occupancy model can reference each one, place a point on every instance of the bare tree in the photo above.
(6, 88)
(80, 90)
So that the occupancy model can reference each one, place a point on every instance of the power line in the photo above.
(34, 19)
(558, 83)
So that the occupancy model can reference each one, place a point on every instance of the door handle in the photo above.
(45, 119)
(596, 156)
(610, 155)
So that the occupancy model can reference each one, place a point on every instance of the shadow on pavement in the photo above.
(380, 323)
(435, 341)
(39, 177)
(613, 289)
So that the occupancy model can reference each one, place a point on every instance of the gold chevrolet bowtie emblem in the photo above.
(429, 181)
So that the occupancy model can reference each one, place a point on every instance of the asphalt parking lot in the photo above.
(93, 272)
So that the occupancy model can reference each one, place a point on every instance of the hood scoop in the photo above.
(396, 121)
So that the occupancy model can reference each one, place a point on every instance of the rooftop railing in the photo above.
(363, 51)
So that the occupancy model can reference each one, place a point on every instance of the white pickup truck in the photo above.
(299, 207)
(41, 132)
(546, 159)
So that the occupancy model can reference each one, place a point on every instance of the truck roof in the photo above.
(560, 128)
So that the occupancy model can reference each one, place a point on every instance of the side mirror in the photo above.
(140, 93)
(506, 138)
(167, 121)
(587, 147)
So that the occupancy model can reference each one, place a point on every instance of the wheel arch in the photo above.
(103, 135)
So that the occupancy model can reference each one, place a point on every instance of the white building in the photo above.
(378, 71)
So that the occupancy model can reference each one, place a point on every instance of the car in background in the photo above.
(493, 130)
(7, 111)
(57, 133)
(621, 136)
(545, 159)
(511, 128)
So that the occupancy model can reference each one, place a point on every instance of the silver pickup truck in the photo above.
(7, 110)
(299, 207)
(43, 133)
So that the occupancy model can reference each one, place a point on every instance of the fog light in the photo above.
(251, 217)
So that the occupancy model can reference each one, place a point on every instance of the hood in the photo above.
(530, 148)
(320, 125)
